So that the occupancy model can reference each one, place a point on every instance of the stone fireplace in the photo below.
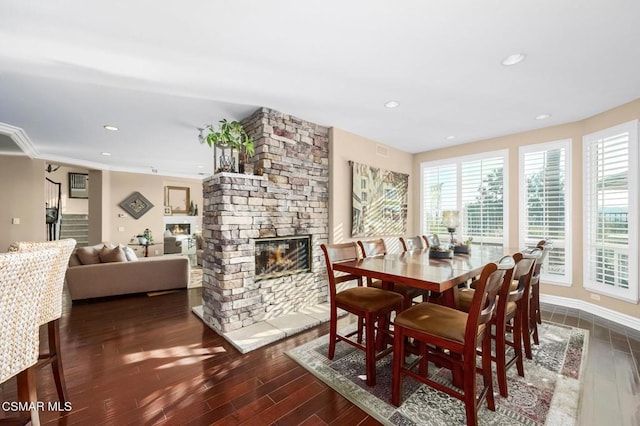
(245, 214)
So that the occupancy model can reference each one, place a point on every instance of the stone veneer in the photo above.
(291, 198)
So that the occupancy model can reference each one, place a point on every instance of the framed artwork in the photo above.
(78, 185)
(177, 198)
(378, 202)
(136, 205)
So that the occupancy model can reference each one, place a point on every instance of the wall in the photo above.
(345, 147)
(22, 192)
(575, 132)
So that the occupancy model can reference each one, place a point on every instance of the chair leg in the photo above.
(526, 329)
(53, 328)
(501, 369)
(469, 389)
(333, 332)
(486, 371)
(370, 350)
(26, 380)
(517, 339)
(398, 361)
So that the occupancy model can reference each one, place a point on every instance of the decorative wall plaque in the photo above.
(136, 205)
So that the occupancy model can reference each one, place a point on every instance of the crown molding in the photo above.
(20, 138)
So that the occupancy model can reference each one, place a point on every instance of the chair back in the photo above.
(373, 248)
(22, 279)
(335, 253)
(51, 302)
(414, 243)
(522, 272)
(483, 305)
(425, 239)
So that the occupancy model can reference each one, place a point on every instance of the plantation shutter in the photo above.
(608, 214)
(544, 206)
(482, 192)
(439, 192)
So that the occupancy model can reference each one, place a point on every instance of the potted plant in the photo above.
(228, 135)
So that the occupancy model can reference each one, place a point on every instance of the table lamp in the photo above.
(451, 221)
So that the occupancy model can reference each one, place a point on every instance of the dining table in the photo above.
(418, 268)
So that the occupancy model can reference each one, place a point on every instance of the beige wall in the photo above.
(345, 147)
(575, 132)
(22, 196)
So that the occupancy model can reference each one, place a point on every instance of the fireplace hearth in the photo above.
(280, 256)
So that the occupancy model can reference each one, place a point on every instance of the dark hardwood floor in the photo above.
(148, 360)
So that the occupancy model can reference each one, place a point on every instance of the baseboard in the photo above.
(611, 315)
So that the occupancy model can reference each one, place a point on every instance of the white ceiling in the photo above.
(159, 70)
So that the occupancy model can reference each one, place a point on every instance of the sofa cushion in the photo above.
(129, 253)
(108, 254)
(88, 255)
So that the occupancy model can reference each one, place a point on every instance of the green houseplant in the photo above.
(228, 135)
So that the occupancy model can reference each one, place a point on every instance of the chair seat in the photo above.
(368, 299)
(405, 290)
(435, 319)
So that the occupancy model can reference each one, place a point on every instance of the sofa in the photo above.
(172, 245)
(109, 270)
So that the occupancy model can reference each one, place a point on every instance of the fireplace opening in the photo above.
(178, 228)
(279, 256)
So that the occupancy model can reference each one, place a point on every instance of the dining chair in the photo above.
(50, 306)
(449, 337)
(378, 248)
(511, 315)
(534, 298)
(425, 239)
(413, 243)
(369, 304)
(23, 277)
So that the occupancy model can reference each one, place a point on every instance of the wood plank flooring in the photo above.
(143, 360)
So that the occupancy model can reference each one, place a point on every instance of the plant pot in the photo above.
(142, 240)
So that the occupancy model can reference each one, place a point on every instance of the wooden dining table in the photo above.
(416, 268)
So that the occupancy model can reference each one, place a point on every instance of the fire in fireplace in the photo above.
(178, 228)
(280, 256)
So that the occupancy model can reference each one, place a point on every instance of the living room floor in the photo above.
(149, 360)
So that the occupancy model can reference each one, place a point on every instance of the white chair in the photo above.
(23, 277)
(50, 307)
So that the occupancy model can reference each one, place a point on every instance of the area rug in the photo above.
(195, 279)
(548, 394)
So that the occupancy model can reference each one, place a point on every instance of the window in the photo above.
(611, 211)
(545, 202)
(473, 185)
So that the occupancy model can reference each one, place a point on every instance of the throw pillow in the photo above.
(88, 255)
(108, 255)
(129, 253)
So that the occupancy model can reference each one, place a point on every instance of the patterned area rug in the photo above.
(548, 394)
(195, 280)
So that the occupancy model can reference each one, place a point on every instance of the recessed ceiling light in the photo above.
(450, 138)
(106, 154)
(110, 127)
(516, 58)
(543, 116)
(391, 104)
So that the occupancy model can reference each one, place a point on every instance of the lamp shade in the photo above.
(450, 219)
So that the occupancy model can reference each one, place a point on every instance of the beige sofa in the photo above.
(113, 274)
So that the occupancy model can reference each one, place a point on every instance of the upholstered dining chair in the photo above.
(371, 305)
(534, 300)
(23, 277)
(413, 243)
(50, 307)
(512, 314)
(377, 248)
(449, 337)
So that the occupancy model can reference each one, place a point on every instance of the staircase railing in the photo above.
(53, 191)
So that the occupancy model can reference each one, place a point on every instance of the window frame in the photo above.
(567, 279)
(458, 161)
(633, 188)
